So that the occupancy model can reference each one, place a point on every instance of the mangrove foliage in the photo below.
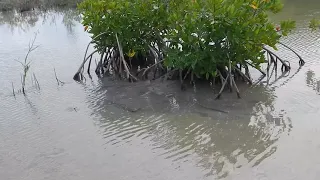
(186, 39)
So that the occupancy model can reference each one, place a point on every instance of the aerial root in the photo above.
(244, 76)
(222, 88)
(285, 66)
(301, 61)
(79, 74)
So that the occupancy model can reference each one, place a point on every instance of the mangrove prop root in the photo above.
(272, 59)
(285, 68)
(78, 75)
(99, 68)
(301, 61)
(89, 65)
(230, 75)
(221, 77)
(256, 68)
(155, 55)
(128, 75)
(213, 82)
(222, 88)
(193, 82)
(259, 80)
(278, 58)
(107, 57)
(92, 41)
(102, 60)
(270, 75)
(108, 66)
(244, 76)
(183, 87)
(169, 72)
(180, 76)
(188, 72)
(268, 63)
(155, 73)
(247, 72)
(236, 87)
(147, 69)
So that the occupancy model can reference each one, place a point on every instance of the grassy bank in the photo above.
(27, 5)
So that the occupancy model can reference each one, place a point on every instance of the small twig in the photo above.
(58, 81)
(26, 65)
(14, 94)
(37, 82)
(22, 84)
(31, 48)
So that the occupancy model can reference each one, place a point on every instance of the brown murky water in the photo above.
(114, 130)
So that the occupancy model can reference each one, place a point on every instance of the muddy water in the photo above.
(104, 129)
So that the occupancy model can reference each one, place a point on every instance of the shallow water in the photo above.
(104, 129)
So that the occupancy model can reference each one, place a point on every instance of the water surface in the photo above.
(104, 129)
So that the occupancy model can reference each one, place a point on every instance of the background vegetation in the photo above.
(26, 5)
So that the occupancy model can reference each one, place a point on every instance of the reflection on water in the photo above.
(148, 130)
(312, 81)
(216, 142)
(26, 20)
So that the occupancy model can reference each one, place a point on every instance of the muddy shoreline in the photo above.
(167, 97)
